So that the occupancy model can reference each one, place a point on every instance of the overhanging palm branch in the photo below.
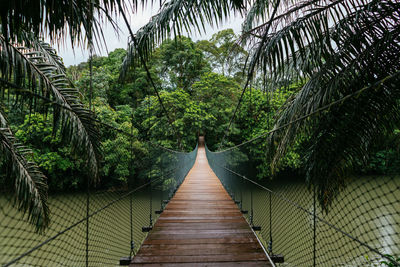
(177, 16)
(337, 47)
(30, 184)
(33, 71)
(39, 73)
(58, 19)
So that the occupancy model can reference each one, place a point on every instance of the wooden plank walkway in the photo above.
(201, 226)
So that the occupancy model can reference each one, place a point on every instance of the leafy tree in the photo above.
(225, 54)
(187, 118)
(61, 167)
(107, 84)
(56, 19)
(123, 154)
(349, 49)
(384, 157)
(256, 117)
(218, 96)
(180, 63)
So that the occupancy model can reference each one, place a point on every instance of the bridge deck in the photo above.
(201, 226)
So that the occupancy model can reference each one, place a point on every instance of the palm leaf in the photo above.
(33, 71)
(57, 19)
(176, 17)
(303, 43)
(30, 184)
(337, 48)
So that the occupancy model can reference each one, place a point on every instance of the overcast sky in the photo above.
(77, 55)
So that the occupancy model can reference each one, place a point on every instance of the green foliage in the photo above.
(187, 118)
(256, 117)
(206, 111)
(177, 16)
(217, 96)
(180, 63)
(57, 20)
(123, 154)
(66, 171)
(105, 78)
(346, 51)
(225, 54)
(63, 169)
(22, 177)
(35, 76)
(384, 157)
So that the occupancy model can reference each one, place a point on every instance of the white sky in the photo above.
(77, 55)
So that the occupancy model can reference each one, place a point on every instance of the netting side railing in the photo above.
(99, 226)
(360, 228)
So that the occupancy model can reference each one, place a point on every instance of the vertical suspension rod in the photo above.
(251, 207)
(270, 223)
(151, 205)
(314, 229)
(132, 244)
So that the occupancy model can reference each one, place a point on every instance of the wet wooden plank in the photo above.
(226, 241)
(198, 247)
(201, 226)
(232, 257)
(208, 264)
(183, 251)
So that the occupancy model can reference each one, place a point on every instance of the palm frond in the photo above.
(57, 19)
(258, 12)
(336, 48)
(48, 53)
(302, 43)
(30, 184)
(32, 70)
(345, 134)
(175, 17)
(363, 59)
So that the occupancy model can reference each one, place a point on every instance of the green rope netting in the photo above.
(361, 227)
(117, 216)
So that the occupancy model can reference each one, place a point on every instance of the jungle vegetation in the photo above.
(335, 60)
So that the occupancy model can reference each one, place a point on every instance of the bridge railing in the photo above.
(360, 228)
(99, 224)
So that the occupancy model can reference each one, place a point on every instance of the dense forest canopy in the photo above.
(324, 73)
(200, 96)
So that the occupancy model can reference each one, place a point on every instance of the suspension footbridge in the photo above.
(201, 226)
(205, 208)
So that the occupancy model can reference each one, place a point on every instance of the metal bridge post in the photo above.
(241, 197)
(150, 226)
(270, 224)
(132, 244)
(131, 223)
(314, 229)
(87, 222)
(251, 207)
(151, 205)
